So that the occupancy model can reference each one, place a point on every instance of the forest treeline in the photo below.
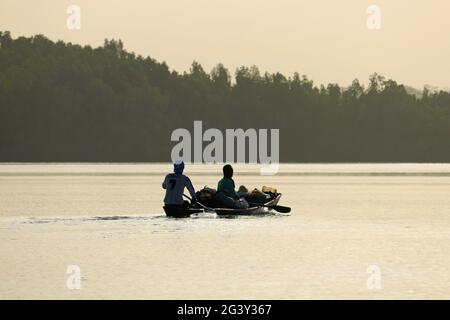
(65, 102)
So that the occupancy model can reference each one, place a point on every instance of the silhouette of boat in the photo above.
(184, 212)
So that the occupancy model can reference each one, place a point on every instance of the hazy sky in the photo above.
(328, 40)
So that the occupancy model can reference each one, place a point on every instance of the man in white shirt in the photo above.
(174, 183)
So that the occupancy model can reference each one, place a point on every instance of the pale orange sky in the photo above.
(327, 40)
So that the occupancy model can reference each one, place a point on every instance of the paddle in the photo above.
(277, 208)
(201, 205)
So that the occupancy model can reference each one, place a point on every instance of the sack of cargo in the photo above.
(257, 196)
(206, 195)
(266, 189)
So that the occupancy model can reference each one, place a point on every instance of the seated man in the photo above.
(226, 193)
(174, 183)
(226, 184)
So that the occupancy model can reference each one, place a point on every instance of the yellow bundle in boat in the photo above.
(266, 189)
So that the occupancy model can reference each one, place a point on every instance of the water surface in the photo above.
(108, 220)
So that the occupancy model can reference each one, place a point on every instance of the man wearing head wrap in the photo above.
(174, 183)
(226, 184)
(226, 192)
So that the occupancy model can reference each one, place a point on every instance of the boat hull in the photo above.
(251, 211)
(180, 212)
(183, 212)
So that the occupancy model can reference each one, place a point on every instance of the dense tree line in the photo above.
(64, 102)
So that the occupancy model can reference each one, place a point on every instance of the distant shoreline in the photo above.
(286, 169)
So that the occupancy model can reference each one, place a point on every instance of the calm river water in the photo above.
(355, 231)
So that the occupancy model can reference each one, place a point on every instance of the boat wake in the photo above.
(129, 219)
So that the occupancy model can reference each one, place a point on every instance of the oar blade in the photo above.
(281, 209)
